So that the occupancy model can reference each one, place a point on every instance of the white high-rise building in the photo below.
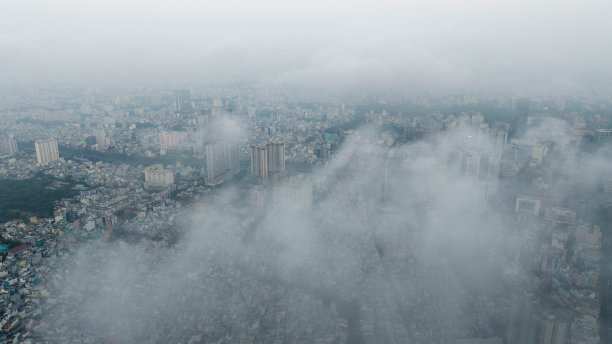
(101, 137)
(8, 146)
(46, 151)
(470, 163)
(257, 197)
(603, 136)
(217, 108)
(259, 161)
(276, 156)
(169, 139)
(182, 100)
(267, 158)
(222, 162)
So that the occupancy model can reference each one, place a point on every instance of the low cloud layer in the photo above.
(401, 230)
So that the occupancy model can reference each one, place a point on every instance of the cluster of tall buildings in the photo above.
(102, 140)
(268, 158)
(222, 162)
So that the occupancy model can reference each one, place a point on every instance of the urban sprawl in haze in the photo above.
(317, 174)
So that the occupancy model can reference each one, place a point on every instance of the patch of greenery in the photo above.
(33, 197)
(134, 160)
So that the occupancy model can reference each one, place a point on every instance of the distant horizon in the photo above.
(440, 46)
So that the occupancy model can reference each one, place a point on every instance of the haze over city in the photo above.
(305, 172)
(357, 45)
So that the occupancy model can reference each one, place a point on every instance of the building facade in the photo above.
(259, 161)
(8, 146)
(276, 156)
(182, 100)
(46, 151)
(222, 162)
(157, 176)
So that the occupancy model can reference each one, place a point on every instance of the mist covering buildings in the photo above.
(422, 240)
(363, 172)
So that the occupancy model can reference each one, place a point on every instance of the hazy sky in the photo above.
(351, 44)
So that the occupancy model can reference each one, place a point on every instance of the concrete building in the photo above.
(608, 184)
(259, 161)
(293, 194)
(477, 119)
(267, 159)
(169, 139)
(489, 170)
(498, 137)
(470, 164)
(46, 151)
(603, 136)
(222, 162)
(528, 151)
(100, 137)
(217, 108)
(276, 156)
(538, 151)
(157, 176)
(525, 204)
(490, 166)
(257, 197)
(552, 329)
(182, 100)
(560, 215)
(8, 146)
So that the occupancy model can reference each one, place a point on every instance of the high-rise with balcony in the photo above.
(222, 162)
(8, 146)
(259, 161)
(46, 151)
(276, 156)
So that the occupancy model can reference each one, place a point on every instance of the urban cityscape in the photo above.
(303, 222)
(357, 200)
